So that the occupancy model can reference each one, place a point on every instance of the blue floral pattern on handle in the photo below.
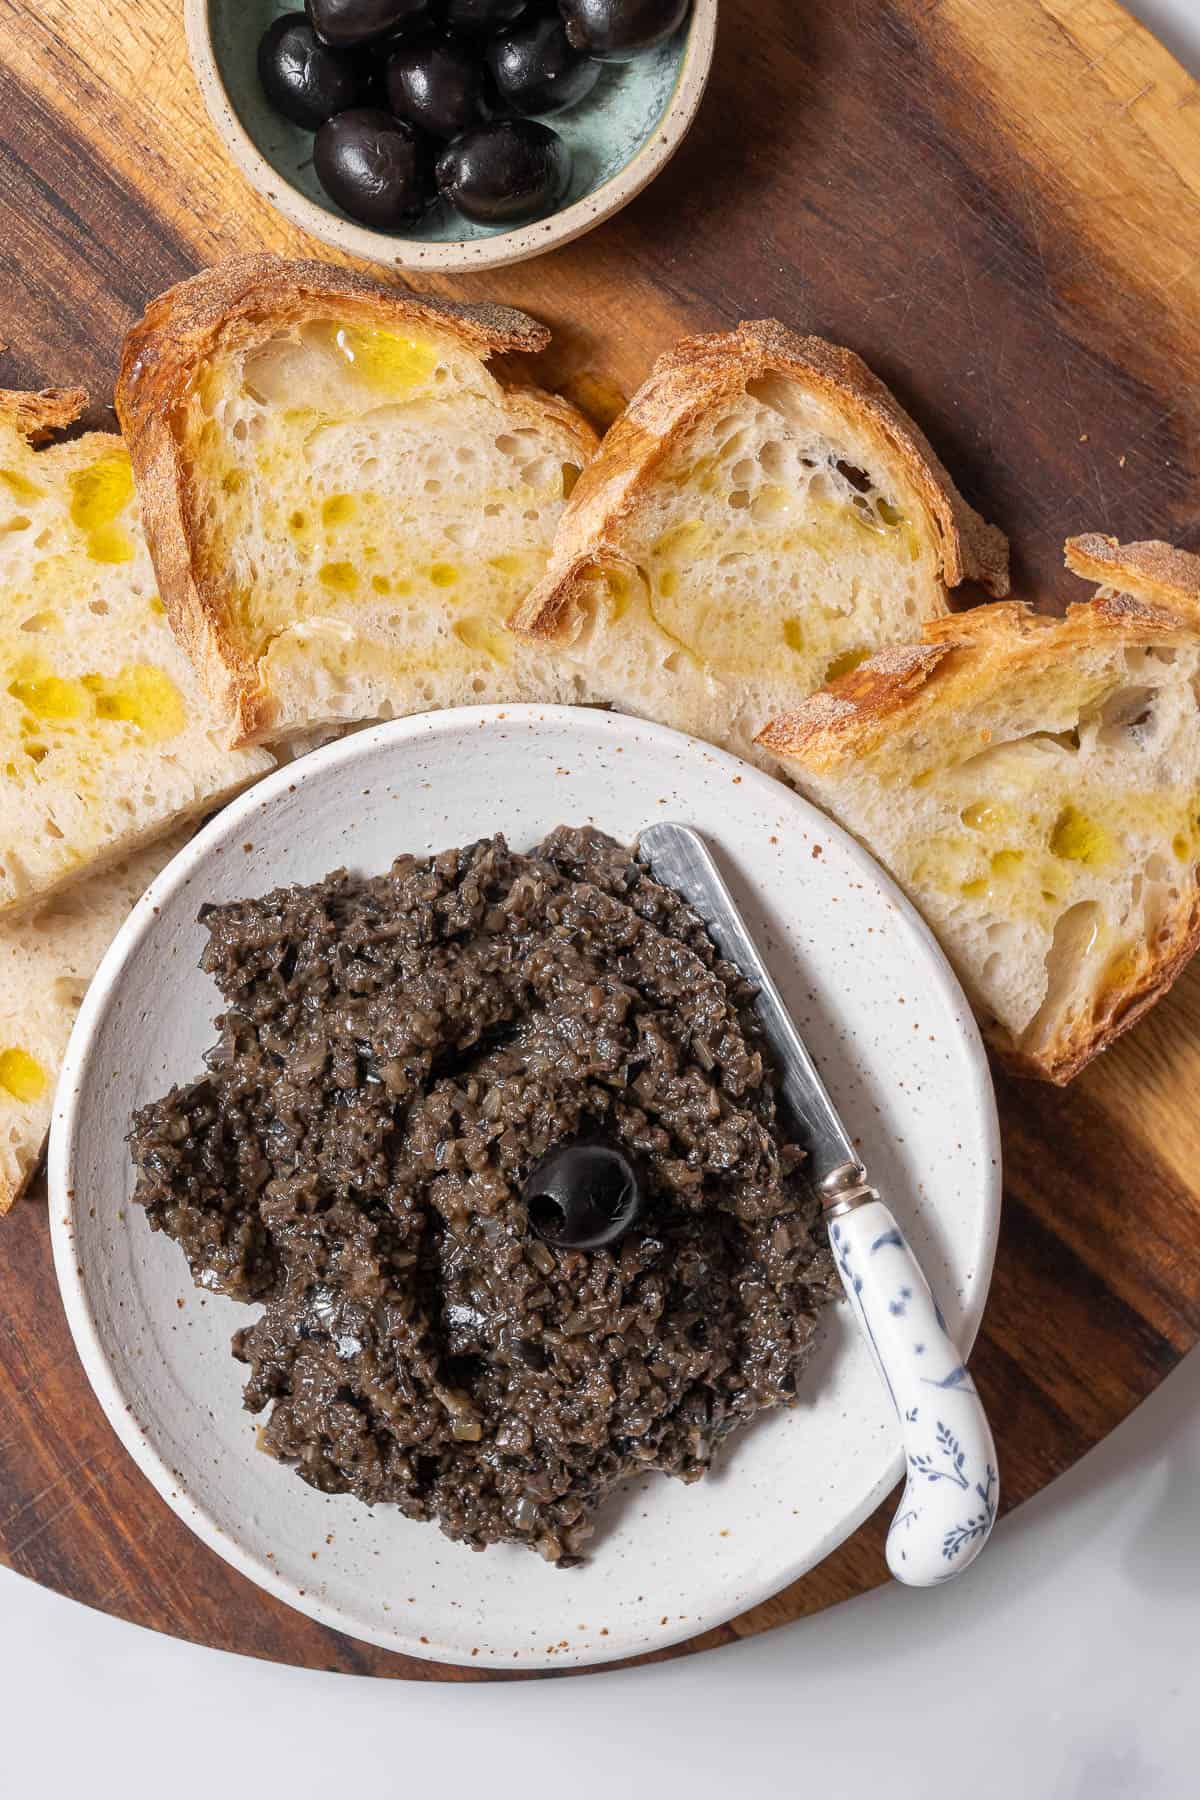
(960, 1535)
(950, 1449)
(952, 1488)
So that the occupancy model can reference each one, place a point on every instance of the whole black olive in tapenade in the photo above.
(481, 16)
(372, 165)
(536, 70)
(584, 1195)
(437, 85)
(505, 173)
(619, 30)
(399, 1053)
(347, 23)
(302, 78)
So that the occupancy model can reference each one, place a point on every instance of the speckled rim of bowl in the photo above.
(465, 253)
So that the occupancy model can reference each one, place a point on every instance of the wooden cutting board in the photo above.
(997, 203)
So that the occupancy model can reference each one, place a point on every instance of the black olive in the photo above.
(536, 70)
(371, 164)
(618, 30)
(304, 79)
(505, 173)
(584, 1195)
(482, 15)
(348, 23)
(437, 85)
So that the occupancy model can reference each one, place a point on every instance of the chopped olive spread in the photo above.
(397, 1055)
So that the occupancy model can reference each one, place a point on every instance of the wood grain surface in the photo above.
(997, 203)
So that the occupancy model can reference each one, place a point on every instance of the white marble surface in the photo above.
(1062, 1668)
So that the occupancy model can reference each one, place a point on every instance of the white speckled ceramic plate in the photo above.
(872, 994)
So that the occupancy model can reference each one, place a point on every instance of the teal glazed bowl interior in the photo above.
(620, 136)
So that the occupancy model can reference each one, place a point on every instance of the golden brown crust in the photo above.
(240, 297)
(700, 374)
(549, 611)
(1015, 624)
(838, 718)
(228, 308)
(1150, 570)
(10, 1193)
(38, 416)
(971, 549)
(850, 716)
(1157, 967)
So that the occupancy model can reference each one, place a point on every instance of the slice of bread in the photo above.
(761, 517)
(1034, 785)
(105, 739)
(342, 502)
(47, 960)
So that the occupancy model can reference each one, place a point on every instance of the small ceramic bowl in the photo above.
(621, 135)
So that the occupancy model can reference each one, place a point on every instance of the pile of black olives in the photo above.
(416, 100)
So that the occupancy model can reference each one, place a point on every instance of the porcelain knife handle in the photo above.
(949, 1504)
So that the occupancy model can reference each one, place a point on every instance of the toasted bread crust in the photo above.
(853, 712)
(1150, 571)
(249, 291)
(38, 416)
(1117, 1011)
(231, 307)
(852, 715)
(698, 375)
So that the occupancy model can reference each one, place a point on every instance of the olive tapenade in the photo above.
(398, 1054)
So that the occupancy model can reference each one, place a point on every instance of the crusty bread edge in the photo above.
(1138, 578)
(40, 416)
(37, 416)
(1156, 972)
(10, 1194)
(837, 723)
(852, 714)
(232, 306)
(1152, 572)
(700, 374)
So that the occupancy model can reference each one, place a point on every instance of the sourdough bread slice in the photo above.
(1034, 785)
(761, 517)
(105, 739)
(342, 502)
(47, 960)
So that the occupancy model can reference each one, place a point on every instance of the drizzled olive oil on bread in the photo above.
(762, 517)
(1034, 785)
(343, 502)
(105, 739)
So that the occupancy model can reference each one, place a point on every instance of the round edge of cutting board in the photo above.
(71, 1275)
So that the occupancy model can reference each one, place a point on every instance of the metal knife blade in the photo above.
(899, 1317)
(677, 856)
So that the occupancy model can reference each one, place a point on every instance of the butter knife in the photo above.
(952, 1486)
